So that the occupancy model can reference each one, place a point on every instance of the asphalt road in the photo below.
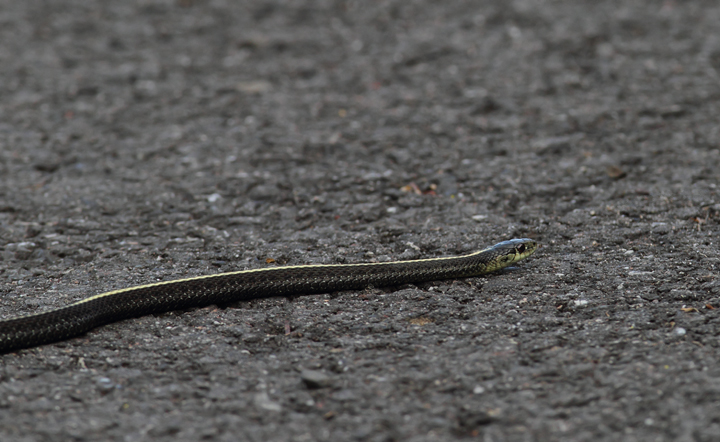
(154, 140)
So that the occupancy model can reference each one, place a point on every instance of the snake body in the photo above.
(223, 288)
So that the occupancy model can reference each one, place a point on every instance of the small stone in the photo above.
(254, 87)
(615, 172)
(314, 379)
(104, 385)
(345, 395)
(263, 401)
(581, 302)
(661, 228)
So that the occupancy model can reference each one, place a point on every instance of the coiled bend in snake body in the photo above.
(224, 288)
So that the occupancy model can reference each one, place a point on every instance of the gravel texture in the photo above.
(151, 140)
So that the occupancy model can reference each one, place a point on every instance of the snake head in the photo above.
(514, 250)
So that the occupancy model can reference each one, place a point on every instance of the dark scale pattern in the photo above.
(83, 316)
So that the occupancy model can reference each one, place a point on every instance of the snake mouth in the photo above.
(527, 248)
(519, 248)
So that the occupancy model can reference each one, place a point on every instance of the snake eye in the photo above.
(521, 248)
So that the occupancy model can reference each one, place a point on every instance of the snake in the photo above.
(225, 288)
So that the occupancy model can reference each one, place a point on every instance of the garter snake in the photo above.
(224, 288)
